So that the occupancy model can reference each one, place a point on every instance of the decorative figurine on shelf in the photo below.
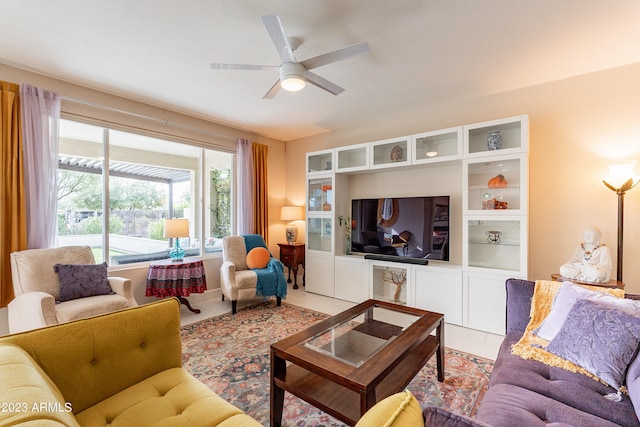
(592, 260)
(493, 237)
(397, 154)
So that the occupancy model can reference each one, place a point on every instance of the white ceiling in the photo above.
(422, 52)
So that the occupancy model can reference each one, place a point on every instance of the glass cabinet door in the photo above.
(319, 231)
(494, 244)
(495, 185)
(352, 158)
(497, 137)
(390, 153)
(320, 162)
(437, 146)
(320, 194)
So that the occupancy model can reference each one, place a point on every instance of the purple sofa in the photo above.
(529, 393)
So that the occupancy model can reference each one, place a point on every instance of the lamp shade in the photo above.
(290, 213)
(177, 227)
(620, 174)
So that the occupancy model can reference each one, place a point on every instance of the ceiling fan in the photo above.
(294, 74)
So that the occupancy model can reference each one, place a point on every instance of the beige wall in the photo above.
(577, 127)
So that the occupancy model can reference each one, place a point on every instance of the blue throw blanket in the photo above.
(271, 281)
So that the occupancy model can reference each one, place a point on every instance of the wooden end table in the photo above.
(347, 363)
(292, 255)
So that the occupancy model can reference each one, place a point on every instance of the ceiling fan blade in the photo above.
(323, 83)
(273, 91)
(278, 36)
(336, 55)
(216, 66)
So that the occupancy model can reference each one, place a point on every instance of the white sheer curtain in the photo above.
(245, 187)
(40, 110)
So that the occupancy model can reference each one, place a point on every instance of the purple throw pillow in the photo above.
(567, 295)
(600, 339)
(82, 280)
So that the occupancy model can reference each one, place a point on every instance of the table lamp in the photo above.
(291, 213)
(174, 229)
(621, 179)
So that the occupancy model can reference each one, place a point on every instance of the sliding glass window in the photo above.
(129, 184)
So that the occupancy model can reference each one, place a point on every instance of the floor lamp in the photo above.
(621, 179)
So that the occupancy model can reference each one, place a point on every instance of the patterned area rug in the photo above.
(231, 356)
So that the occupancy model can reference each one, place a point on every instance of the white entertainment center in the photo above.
(488, 235)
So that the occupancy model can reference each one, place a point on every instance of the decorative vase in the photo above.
(292, 233)
(347, 249)
(494, 141)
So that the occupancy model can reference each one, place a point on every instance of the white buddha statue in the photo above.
(591, 261)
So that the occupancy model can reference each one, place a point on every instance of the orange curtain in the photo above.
(13, 218)
(261, 217)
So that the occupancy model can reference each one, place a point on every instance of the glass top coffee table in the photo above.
(348, 362)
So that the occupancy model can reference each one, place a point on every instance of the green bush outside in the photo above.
(94, 225)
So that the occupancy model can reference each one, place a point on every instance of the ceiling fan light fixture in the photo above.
(292, 77)
(293, 84)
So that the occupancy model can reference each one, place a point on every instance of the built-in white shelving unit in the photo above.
(495, 218)
(493, 233)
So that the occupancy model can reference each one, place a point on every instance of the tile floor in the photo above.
(467, 340)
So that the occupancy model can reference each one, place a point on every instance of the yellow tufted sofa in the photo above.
(118, 369)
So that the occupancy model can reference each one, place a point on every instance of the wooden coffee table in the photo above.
(347, 363)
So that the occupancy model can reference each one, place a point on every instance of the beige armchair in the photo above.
(238, 281)
(37, 290)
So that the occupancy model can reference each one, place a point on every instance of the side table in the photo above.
(169, 278)
(292, 255)
(610, 284)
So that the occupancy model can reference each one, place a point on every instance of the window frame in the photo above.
(202, 181)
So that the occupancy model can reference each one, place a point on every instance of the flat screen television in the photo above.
(410, 227)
